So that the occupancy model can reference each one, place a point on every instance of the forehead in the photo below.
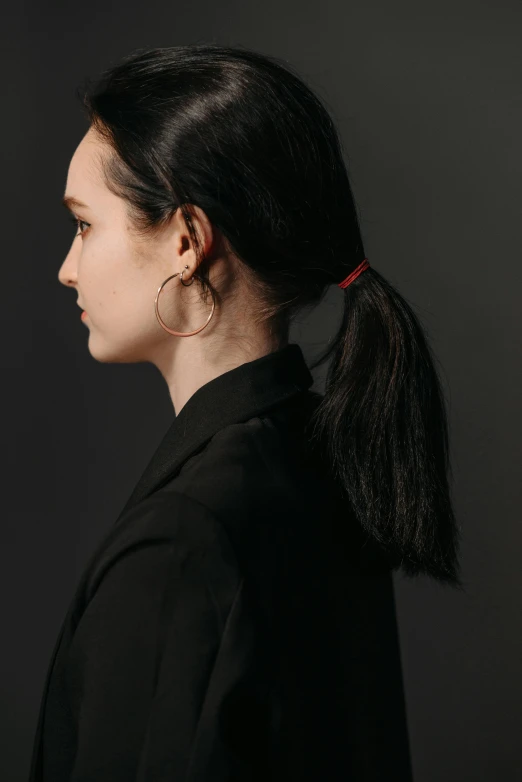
(84, 176)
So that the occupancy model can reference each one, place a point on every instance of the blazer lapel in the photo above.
(235, 396)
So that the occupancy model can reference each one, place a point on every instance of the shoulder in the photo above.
(166, 536)
(153, 608)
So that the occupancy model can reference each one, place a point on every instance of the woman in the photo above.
(237, 622)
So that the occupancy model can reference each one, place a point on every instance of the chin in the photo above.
(107, 352)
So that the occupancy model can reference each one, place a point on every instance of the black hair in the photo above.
(240, 135)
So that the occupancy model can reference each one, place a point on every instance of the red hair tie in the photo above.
(351, 277)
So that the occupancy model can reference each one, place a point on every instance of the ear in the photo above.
(206, 235)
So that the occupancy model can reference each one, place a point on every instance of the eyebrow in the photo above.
(70, 201)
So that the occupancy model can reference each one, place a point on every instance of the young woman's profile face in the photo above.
(115, 275)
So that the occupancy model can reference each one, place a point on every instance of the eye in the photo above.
(78, 223)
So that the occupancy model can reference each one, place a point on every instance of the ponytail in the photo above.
(382, 422)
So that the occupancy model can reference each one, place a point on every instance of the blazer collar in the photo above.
(233, 397)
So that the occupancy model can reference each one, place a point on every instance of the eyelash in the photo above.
(76, 221)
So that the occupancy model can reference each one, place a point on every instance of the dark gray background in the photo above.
(428, 100)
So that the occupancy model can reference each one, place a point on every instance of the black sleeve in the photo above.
(140, 663)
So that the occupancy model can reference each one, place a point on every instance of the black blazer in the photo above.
(231, 626)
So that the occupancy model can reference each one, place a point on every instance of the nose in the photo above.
(68, 273)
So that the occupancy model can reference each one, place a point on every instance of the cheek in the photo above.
(101, 270)
(119, 293)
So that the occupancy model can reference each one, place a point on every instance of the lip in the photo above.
(83, 315)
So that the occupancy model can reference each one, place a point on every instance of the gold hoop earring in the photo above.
(187, 285)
